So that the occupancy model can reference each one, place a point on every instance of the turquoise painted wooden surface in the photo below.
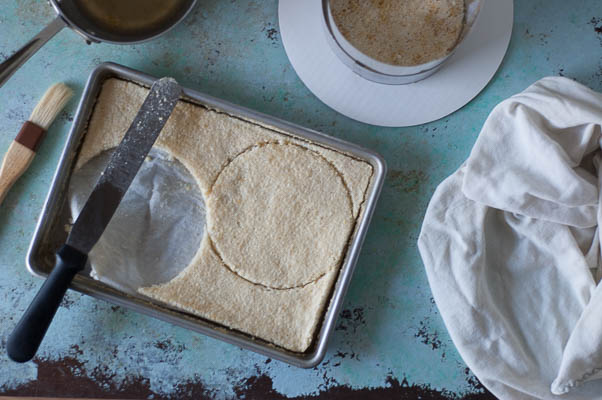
(390, 339)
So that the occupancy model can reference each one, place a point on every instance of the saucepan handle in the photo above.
(12, 63)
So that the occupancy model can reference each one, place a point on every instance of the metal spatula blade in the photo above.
(94, 217)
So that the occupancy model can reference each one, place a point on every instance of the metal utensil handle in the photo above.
(14, 62)
(28, 334)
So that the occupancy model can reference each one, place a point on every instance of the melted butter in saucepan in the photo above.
(130, 16)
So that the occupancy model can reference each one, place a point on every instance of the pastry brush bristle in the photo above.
(51, 104)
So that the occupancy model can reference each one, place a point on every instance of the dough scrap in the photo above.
(287, 318)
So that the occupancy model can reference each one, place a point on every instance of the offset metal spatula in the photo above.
(94, 217)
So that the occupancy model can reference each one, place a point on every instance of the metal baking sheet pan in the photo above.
(50, 232)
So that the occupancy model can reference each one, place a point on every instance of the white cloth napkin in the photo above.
(511, 246)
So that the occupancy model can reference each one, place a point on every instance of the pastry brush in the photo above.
(23, 149)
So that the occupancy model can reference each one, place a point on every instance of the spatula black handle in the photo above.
(29, 332)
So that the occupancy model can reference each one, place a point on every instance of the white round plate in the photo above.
(462, 77)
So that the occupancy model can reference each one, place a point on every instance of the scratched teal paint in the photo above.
(226, 49)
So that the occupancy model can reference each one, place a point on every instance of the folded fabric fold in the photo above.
(511, 246)
(534, 154)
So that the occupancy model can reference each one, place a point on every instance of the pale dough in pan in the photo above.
(210, 145)
(279, 215)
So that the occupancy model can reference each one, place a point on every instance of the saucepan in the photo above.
(109, 21)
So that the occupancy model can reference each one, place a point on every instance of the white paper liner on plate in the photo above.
(156, 230)
(458, 81)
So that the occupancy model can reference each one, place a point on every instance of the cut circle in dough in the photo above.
(279, 215)
(148, 241)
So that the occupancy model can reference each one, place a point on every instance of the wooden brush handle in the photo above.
(17, 159)
(19, 155)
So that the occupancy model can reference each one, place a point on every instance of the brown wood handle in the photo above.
(17, 159)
